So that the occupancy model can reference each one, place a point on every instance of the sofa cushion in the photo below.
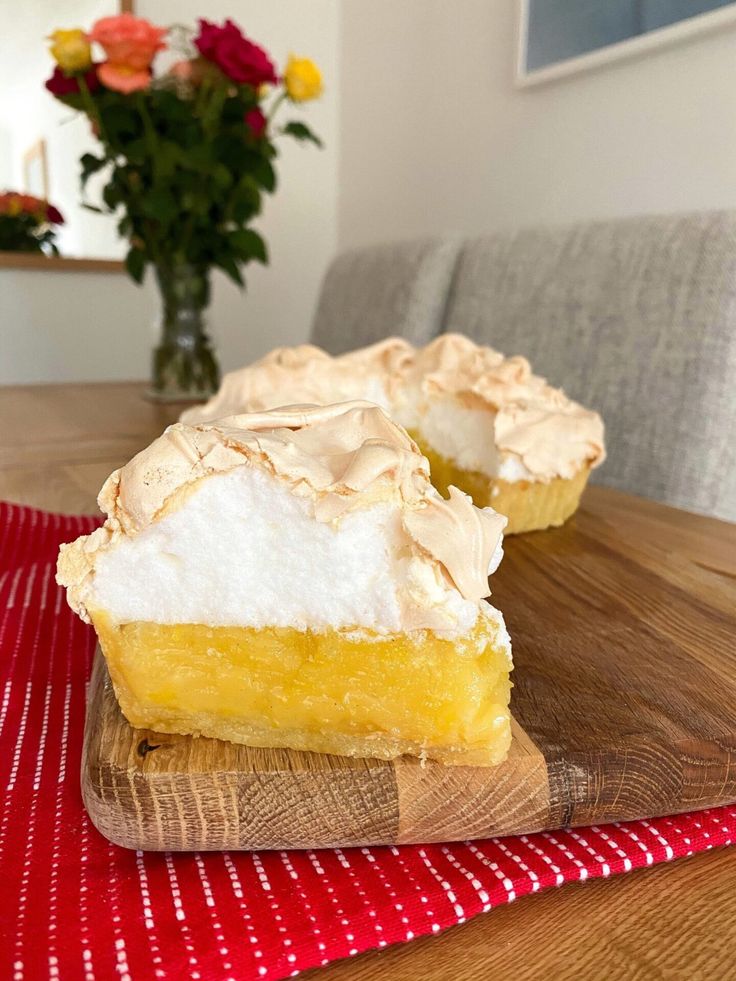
(370, 293)
(635, 318)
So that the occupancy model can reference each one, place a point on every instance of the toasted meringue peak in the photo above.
(340, 461)
(533, 426)
(548, 432)
(334, 452)
(438, 527)
(307, 375)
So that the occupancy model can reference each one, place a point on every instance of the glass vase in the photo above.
(184, 366)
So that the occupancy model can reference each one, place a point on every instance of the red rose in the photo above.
(256, 122)
(237, 57)
(61, 84)
(54, 215)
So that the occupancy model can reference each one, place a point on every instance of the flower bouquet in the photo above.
(188, 153)
(27, 224)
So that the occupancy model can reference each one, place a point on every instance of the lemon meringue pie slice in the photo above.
(487, 424)
(292, 579)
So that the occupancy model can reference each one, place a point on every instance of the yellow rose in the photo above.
(15, 205)
(71, 50)
(303, 79)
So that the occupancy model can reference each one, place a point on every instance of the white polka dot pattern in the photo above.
(73, 906)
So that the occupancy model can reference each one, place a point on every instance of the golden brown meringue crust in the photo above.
(551, 435)
(443, 525)
(304, 374)
(530, 420)
(343, 456)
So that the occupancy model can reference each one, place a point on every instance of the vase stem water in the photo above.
(184, 362)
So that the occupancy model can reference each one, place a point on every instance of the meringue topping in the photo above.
(538, 433)
(340, 461)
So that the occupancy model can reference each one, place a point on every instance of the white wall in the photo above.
(60, 326)
(73, 326)
(434, 137)
(6, 158)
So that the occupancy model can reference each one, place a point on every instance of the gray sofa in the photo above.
(634, 317)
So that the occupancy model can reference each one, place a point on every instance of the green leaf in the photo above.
(90, 165)
(200, 157)
(249, 245)
(243, 210)
(264, 174)
(301, 132)
(111, 196)
(222, 176)
(160, 204)
(137, 151)
(168, 156)
(122, 122)
(230, 266)
(135, 263)
(245, 200)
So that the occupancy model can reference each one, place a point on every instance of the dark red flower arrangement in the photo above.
(25, 223)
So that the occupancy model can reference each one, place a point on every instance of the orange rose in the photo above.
(33, 205)
(11, 203)
(130, 44)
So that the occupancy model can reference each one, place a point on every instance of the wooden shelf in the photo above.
(45, 263)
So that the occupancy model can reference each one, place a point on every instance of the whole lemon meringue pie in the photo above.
(291, 578)
(486, 423)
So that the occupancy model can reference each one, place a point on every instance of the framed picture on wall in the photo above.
(36, 170)
(556, 38)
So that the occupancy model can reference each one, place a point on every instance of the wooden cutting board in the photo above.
(623, 626)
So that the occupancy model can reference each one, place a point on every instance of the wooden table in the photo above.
(57, 445)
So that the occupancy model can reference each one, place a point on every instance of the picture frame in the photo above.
(36, 170)
(633, 47)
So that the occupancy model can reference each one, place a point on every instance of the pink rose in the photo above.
(130, 44)
(191, 72)
(237, 57)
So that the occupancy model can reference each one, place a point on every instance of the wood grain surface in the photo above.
(674, 922)
(624, 700)
(668, 923)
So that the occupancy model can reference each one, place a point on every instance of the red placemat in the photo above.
(74, 906)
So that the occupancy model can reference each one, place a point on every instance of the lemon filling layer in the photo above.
(351, 693)
(528, 504)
